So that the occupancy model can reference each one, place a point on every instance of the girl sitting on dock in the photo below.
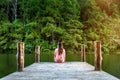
(59, 53)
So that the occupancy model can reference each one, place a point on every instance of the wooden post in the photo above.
(98, 55)
(83, 54)
(20, 56)
(37, 55)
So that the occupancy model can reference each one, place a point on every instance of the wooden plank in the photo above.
(60, 71)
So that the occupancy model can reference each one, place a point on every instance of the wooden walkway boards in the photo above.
(60, 71)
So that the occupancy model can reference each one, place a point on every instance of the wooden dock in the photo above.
(60, 71)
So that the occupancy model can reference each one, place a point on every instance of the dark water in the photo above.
(111, 63)
(8, 63)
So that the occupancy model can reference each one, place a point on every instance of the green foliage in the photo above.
(32, 36)
(10, 34)
(74, 33)
(44, 22)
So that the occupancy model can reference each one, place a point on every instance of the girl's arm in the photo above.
(64, 55)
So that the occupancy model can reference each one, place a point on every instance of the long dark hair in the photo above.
(60, 48)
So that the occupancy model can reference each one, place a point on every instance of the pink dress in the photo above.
(59, 58)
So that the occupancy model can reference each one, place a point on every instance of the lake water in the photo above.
(111, 63)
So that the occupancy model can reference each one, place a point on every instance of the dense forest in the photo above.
(75, 22)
